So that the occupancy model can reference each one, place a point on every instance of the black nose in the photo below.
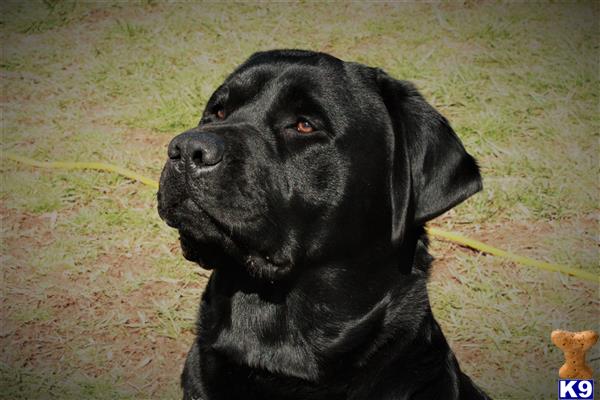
(199, 149)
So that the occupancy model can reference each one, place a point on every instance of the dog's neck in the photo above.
(279, 328)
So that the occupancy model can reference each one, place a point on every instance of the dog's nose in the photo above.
(199, 149)
(205, 149)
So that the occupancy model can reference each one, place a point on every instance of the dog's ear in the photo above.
(432, 171)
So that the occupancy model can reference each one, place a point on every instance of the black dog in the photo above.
(306, 186)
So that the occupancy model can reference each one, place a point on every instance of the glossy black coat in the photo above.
(316, 239)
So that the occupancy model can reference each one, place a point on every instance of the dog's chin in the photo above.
(223, 253)
(208, 242)
(205, 254)
(227, 255)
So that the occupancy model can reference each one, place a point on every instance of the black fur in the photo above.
(316, 240)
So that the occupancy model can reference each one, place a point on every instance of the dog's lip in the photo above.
(257, 263)
(264, 267)
(170, 222)
(190, 206)
(188, 203)
(193, 206)
(165, 215)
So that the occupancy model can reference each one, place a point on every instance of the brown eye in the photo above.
(220, 113)
(304, 127)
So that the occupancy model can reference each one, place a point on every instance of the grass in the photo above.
(96, 300)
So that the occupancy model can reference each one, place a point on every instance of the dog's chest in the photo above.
(264, 335)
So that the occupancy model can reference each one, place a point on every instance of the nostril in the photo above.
(197, 157)
(205, 149)
(174, 151)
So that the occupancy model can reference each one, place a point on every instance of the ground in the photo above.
(96, 300)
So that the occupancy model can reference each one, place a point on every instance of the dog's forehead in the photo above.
(278, 61)
(256, 77)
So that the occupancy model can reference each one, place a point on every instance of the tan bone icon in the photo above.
(574, 345)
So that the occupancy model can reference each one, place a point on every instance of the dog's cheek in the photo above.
(317, 181)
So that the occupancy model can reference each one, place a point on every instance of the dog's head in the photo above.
(301, 159)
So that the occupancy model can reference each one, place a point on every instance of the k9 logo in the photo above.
(575, 389)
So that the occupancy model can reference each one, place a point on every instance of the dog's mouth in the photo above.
(203, 239)
(208, 242)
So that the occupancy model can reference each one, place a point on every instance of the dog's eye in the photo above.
(219, 112)
(303, 126)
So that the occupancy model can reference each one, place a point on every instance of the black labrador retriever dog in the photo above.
(305, 187)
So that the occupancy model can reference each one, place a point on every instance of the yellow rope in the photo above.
(85, 165)
(486, 248)
(453, 237)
